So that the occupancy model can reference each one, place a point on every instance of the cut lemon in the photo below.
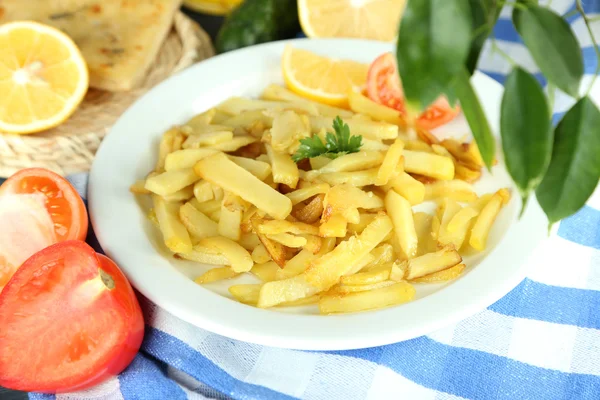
(43, 77)
(365, 19)
(320, 78)
(213, 7)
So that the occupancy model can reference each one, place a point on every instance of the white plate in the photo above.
(130, 151)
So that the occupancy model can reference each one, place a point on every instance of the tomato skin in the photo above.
(40, 180)
(70, 329)
(384, 87)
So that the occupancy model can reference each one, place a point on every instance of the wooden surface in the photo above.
(211, 25)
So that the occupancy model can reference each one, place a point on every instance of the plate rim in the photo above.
(276, 329)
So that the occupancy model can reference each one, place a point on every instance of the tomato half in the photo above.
(69, 320)
(37, 208)
(66, 208)
(384, 87)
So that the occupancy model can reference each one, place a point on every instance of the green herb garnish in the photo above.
(335, 145)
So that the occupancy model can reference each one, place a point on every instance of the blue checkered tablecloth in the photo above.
(541, 341)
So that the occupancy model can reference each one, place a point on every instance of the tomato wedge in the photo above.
(69, 320)
(37, 209)
(384, 87)
(66, 208)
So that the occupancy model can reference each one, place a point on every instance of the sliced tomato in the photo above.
(438, 114)
(69, 320)
(66, 208)
(37, 208)
(384, 87)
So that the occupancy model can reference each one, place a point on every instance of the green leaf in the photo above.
(552, 45)
(475, 117)
(574, 170)
(526, 130)
(335, 145)
(432, 47)
(484, 14)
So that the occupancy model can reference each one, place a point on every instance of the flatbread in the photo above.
(119, 39)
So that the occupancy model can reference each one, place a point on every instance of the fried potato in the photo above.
(366, 127)
(171, 181)
(288, 240)
(353, 162)
(445, 237)
(466, 153)
(311, 213)
(139, 187)
(342, 289)
(485, 220)
(335, 226)
(365, 219)
(301, 302)
(373, 145)
(221, 171)
(285, 290)
(360, 264)
(423, 223)
(174, 233)
(207, 207)
(319, 162)
(275, 249)
(240, 259)
(379, 274)
(408, 187)
(266, 271)
(230, 223)
(260, 255)
(299, 195)
(284, 169)
(432, 262)
(274, 227)
(327, 270)
(245, 120)
(357, 178)
(287, 130)
(382, 254)
(181, 195)
(454, 189)
(465, 173)
(216, 274)
(442, 276)
(259, 169)
(363, 105)
(236, 105)
(165, 147)
(398, 271)
(234, 144)
(277, 92)
(204, 255)
(204, 118)
(428, 164)
(390, 162)
(400, 211)
(417, 145)
(203, 191)
(207, 139)
(346, 200)
(461, 219)
(397, 293)
(249, 241)
(197, 223)
(246, 293)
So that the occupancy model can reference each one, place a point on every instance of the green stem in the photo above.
(579, 7)
(497, 49)
(551, 96)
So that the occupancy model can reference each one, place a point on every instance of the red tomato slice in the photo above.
(384, 87)
(66, 208)
(438, 114)
(69, 320)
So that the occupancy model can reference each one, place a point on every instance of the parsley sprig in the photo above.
(335, 145)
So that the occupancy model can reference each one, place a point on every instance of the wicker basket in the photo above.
(70, 147)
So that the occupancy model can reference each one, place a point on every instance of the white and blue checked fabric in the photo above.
(541, 341)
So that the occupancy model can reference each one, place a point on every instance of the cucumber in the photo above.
(258, 21)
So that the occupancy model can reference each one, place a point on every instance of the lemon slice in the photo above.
(213, 7)
(43, 77)
(365, 19)
(320, 78)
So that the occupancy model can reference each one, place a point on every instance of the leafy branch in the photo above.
(335, 145)
(559, 164)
